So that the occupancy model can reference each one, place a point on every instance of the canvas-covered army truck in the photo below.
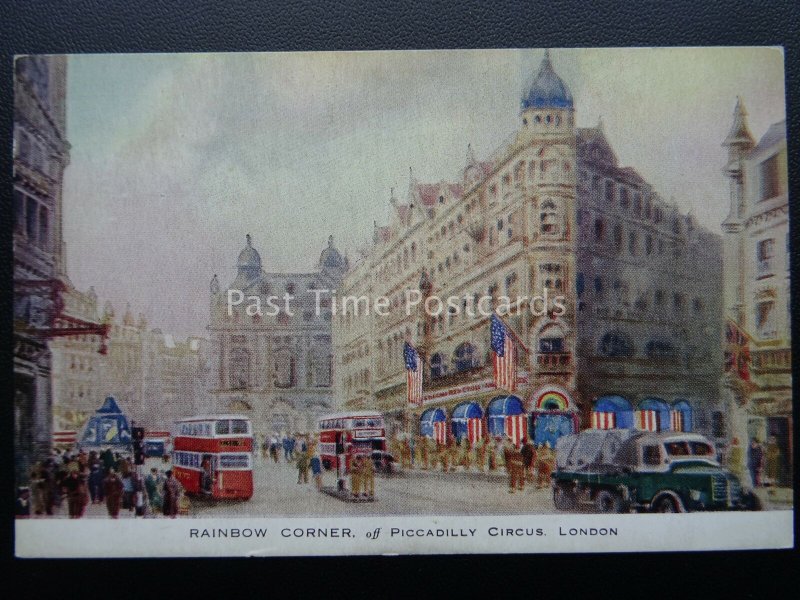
(621, 470)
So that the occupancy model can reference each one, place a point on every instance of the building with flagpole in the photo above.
(550, 209)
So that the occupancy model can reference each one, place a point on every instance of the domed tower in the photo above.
(249, 262)
(549, 160)
(546, 106)
(331, 262)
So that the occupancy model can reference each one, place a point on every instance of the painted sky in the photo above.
(176, 157)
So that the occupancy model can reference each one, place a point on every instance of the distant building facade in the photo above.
(550, 209)
(757, 383)
(275, 369)
(41, 153)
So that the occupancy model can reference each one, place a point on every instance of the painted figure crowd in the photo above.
(523, 463)
(80, 478)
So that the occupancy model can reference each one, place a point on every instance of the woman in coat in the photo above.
(172, 495)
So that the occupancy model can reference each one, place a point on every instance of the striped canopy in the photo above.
(619, 407)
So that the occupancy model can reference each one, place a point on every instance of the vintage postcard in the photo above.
(401, 302)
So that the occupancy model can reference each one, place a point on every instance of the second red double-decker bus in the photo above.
(343, 435)
(213, 456)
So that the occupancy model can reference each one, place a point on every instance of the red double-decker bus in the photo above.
(213, 456)
(343, 435)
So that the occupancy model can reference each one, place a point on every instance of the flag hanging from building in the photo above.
(603, 420)
(676, 420)
(515, 428)
(440, 432)
(474, 430)
(647, 420)
(505, 365)
(737, 351)
(413, 374)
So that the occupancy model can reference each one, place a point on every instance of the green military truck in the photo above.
(620, 470)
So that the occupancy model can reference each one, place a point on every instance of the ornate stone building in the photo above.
(757, 383)
(552, 208)
(275, 367)
(41, 153)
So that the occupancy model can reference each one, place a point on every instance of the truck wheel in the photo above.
(667, 504)
(563, 499)
(607, 502)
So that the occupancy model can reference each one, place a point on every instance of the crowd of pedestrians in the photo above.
(522, 464)
(79, 478)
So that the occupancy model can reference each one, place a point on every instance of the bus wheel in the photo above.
(607, 502)
(563, 498)
(667, 504)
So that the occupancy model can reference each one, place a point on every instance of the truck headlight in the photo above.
(695, 495)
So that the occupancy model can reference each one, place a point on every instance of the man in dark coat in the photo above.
(96, 484)
(528, 456)
(75, 488)
(112, 488)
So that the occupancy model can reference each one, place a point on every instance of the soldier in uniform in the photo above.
(453, 451)
(544, 465)
(467, 460)
(516, 477)
(444, 456)
(368, 477)
(480, 452)
(356, 471)
(492, 451)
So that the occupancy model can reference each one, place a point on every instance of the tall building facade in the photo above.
(757, 383)
(275, 368)
(41, 153)
(551, 209)
(649, 302)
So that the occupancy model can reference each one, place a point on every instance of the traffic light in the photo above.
(138, 445)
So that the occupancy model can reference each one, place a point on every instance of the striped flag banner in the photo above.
(440, 432)
(474, 430)
(603, 420)
(505, 364)
(65, 437)
(647, 420)
(515, 428)
(413, 374)
(676, 420)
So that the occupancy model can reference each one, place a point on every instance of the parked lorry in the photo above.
(621, 470)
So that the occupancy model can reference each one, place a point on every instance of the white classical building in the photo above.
(275, 369)
(757, 383)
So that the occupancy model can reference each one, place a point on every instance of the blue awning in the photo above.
(505, 406)
(622, 409)
(662, 411)
(467, 410)
(433, 415)
(683, 407)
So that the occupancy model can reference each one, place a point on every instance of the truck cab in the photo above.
(622, 470)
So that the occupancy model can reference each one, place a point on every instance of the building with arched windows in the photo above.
(550, 209)
(275, 368)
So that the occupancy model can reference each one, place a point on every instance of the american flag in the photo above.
(603, 420)
(413, 374)
(515, 428)
(647, 420)
(440, 432)
(737, 351)
(676, 420)
(474, 430)
(505, 366)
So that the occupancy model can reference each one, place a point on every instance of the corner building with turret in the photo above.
(551, 209)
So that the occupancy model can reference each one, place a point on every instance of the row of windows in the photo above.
(631, 200)
(617, 344)
(33, 153)
(621, 293)
(318, 374)
(634, 243)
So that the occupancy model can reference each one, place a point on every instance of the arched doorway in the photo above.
(653, 414)
(505, 417)
(553, 415)
(433, 424)
(681, 416)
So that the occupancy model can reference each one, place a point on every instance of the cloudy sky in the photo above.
(176, 157)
